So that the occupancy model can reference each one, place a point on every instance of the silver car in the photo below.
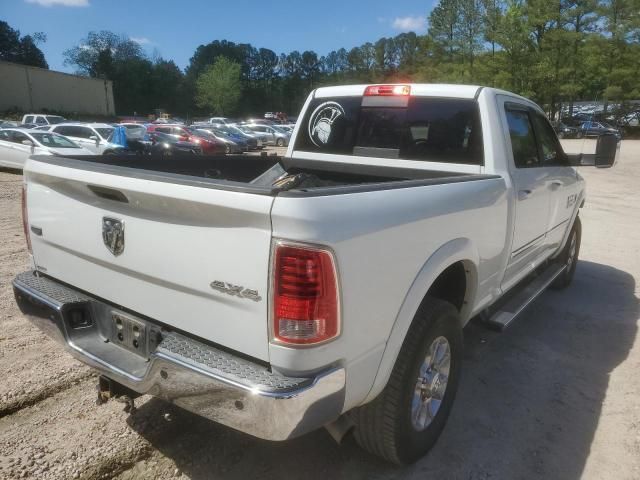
(274, 135)
(18, 144)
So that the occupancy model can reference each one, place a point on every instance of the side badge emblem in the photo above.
(113, 235)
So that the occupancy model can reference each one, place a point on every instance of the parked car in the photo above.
(253, 142)
(263, 139)
(164, 144)
(274, 135)
(220, 121)
(17, 145)
(257, 121)
(95, 137)
(595, 129)
(8, 124)
(42, 119)
(168, 121)
(329, 287)
(209, 145)
(564, 131)
(138, 140)
(230, 145)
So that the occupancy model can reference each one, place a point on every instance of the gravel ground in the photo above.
(555, 396)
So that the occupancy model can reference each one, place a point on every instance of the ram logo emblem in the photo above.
(113, 235)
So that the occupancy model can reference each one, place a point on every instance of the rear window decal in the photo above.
(321, 122)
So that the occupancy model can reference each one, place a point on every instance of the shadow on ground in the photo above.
(528, 404)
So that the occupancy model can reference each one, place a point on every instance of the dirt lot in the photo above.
(557, 396)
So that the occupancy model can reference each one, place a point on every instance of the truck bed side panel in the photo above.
(381, 240)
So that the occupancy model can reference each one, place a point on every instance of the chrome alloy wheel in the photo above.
(572, 251)
(431, 384)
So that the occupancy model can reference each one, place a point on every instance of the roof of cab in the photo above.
(417, 89)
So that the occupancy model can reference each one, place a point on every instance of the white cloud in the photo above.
(62, 3)
(141, 40)
(405, 24)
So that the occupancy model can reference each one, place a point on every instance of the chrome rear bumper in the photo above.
(198, 377)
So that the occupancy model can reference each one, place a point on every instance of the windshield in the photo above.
(246, 130)
(163, 137)
(135, 132)
(414, 128)
(105, 132)
(236, 130)
(54, 120)
(206, 134)
(53, 140)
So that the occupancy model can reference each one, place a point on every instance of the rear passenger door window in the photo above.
(523, 139)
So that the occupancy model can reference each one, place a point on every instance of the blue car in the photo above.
(595, 129)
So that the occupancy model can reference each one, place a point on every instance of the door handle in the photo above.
(524, 194)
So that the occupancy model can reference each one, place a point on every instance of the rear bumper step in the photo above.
(198, 377)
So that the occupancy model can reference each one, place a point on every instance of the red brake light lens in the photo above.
(387, 90)
(306, 308)
(25, 218)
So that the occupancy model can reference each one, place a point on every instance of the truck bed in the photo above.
(258, 174)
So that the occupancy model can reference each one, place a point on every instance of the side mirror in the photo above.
(607, 149)
(95, 139)
(29, 143)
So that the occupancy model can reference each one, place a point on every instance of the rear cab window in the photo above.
(416, 128)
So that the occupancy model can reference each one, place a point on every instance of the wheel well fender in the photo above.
(457, 252)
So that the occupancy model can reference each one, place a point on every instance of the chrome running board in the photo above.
(508, 312)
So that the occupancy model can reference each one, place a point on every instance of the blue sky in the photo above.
(175, 28)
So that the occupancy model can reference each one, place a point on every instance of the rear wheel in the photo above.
(569, 256)
(227, 149)
(406, 419)
(280, 142)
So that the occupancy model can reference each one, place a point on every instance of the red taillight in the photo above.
(387, 90)
(306, 309)
(25, 217)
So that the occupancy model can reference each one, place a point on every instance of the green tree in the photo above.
(23, 50)
(97, 54)
(218, 87)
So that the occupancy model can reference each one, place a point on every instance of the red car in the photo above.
(209, 145)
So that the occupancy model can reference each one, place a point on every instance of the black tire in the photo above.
(384, 426)
(569, 257)
(227, 149)
(280, 142)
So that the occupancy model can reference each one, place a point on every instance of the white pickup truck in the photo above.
(328, 287)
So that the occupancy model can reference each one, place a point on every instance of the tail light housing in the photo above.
(387, 90)
(25, 217)
(305, 295)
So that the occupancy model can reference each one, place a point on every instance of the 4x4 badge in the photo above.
(113, 235)
(236, 290)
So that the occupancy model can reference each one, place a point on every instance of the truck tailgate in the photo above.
(184, 246)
